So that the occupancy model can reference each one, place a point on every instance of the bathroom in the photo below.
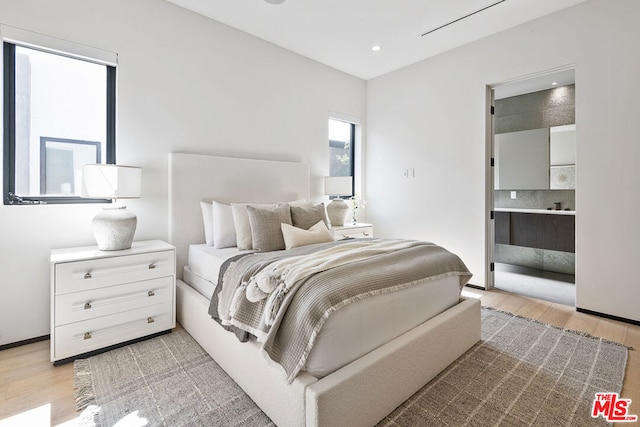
(534, 190)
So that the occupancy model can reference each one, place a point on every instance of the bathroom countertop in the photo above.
(536, 211)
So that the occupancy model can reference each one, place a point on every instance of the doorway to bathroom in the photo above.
(532, 237)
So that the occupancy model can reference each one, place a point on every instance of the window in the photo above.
(59, 113)
(341, 148)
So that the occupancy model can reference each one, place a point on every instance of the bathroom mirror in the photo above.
(537, 159)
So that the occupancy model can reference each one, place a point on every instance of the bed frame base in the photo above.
(359, 394)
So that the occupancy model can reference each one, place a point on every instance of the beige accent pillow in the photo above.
(266, 234)
(306, 216)
(294, 236)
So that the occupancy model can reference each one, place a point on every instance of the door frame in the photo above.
(490, 169)
(489, 178)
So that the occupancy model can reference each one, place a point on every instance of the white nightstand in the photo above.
(104, 298)
(352, 231)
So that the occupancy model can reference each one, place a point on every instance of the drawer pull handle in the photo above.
(87, 305)
(87, 276)
(151, 293)
(152, 266)
(150, 320)
(87, 335)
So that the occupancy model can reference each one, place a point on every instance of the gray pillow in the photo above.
(306, 217)
(266, 232)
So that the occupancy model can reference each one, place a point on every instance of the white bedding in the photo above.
(205, 261)
(353, 330)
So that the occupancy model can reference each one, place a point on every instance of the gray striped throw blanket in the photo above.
(284, 297)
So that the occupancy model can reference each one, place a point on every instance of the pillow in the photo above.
(299, 202)
(294, 236)
(241, 220)
(266, 233)
(207, 221)
(306, 216)
(224, 232)
(242, 225)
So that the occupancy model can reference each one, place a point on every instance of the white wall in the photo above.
(185, 83)
(431, 117)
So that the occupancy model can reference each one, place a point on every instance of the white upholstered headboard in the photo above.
(194, 178)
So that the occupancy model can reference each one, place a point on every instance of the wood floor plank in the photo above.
(533, 309)
(558, 315)
(512, 303)
(491, 299)
(611, 330)
(63, 410)
(582, 322)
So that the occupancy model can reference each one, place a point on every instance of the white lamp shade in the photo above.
(111, 181)
(338, 185)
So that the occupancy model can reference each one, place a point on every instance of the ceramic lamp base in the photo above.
(113, 228)
(337, 212)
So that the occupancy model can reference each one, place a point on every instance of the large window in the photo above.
(59, 113)
(341, 148)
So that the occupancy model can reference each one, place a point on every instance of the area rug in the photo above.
(521, 373)
(165, 381)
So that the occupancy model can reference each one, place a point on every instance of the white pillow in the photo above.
(294, 236)
(224, 232)
(207, 221)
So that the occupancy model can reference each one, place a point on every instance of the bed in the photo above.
(360, 392)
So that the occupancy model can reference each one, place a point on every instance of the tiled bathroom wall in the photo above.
(535, 199)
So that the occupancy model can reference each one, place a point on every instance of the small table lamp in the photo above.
(338, 208)
(114, 226)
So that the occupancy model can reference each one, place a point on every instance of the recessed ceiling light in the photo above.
(275, 1)
(554, 83)
(376, 48)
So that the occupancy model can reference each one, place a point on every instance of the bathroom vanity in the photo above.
(536, 228)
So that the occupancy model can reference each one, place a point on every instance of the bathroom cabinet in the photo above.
(536, 230)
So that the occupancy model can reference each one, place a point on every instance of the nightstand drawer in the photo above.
(78, 306)
(97, 273)
(93, 334)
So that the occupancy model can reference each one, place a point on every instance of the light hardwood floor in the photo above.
(30, 385)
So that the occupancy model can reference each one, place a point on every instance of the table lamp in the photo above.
(114, 226)
(337, 186)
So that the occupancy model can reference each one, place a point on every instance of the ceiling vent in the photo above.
(462, 17)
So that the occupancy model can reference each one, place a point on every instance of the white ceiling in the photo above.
(340, 33)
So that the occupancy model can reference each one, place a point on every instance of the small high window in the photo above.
(341, 148)
(59, 113)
